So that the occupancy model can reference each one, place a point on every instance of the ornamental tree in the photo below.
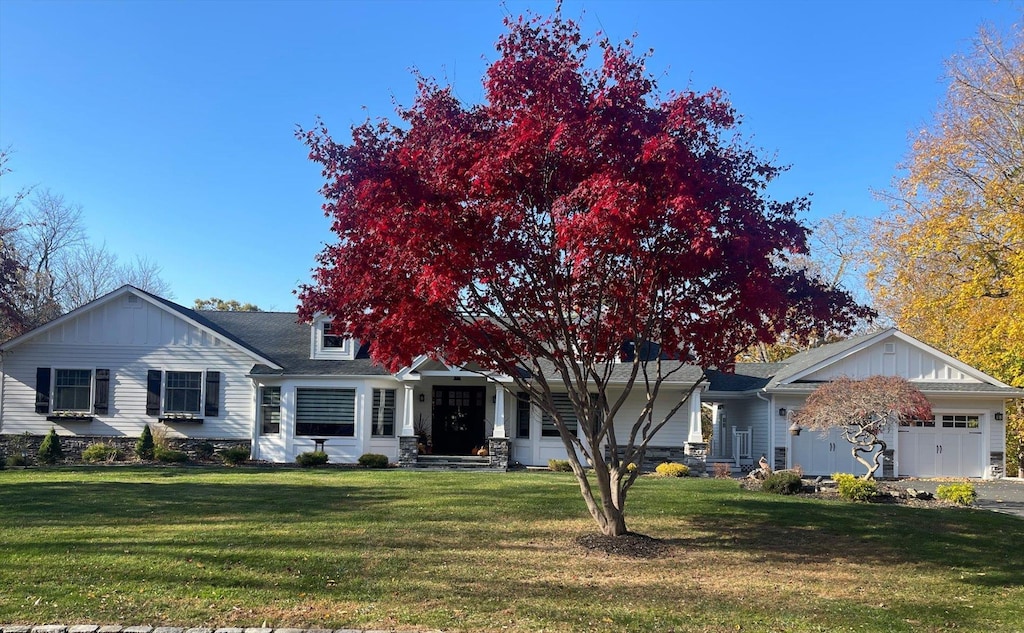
(575, 210)
(864, 410)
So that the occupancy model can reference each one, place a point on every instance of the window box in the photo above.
(69, 416)
(180, 418)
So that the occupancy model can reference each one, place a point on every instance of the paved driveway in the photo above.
(999, 495)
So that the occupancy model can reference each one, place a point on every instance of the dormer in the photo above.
(328, 343)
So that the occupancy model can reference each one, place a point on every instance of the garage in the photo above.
(825, 454)
(949, 445)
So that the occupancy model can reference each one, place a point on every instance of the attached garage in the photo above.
(949, 445)
(819, 454)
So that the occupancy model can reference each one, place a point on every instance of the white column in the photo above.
(716, 431)
(499, 411)
(695, 435)
(408, 430)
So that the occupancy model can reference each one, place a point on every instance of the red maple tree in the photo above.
(864, 410)
(574, 210)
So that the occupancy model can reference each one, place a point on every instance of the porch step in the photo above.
(453, 462)
(735, 470)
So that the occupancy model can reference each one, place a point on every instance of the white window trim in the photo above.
(164, 413)
(317, 351)
(53, 392)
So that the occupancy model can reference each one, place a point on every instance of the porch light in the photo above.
(794, 429)
(423, 397)
(782, 412)
(998, 417)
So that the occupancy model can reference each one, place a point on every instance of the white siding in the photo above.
(128, 341)
(905, 360)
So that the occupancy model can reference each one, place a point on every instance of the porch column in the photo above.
(407, 412)
(499, 412)
(695, 449)
(695, 436)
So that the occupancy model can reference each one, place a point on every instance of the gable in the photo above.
(893, 357)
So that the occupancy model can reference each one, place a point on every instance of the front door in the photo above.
(458, 419)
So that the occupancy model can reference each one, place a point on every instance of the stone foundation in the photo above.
(197, 449)
(408, 450)
(696, 457)
(498, 452)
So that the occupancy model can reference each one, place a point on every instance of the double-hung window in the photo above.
(332, 339)
(184, 392)
(72, 390)
(270, 410)
(326, 412)
(383, 422)
(568, 414)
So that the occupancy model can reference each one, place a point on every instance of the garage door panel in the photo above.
(940, 452)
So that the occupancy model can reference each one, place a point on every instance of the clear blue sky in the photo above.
(172, 123)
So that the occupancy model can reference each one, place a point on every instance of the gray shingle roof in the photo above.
(809, 358)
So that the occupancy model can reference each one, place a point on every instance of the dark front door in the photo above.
(458, 419)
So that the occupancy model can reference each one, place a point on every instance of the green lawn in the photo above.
(485, 552)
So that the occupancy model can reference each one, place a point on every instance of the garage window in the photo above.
(960, 421)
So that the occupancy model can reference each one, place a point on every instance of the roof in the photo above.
(798, 363)
(744, 377)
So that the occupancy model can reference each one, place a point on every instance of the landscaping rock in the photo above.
(84, 628)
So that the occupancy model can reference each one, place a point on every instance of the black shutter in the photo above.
(212, 394)
(101, 399)
(153, 379)
(43, 390)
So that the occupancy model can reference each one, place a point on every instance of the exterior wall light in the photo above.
(794, 429)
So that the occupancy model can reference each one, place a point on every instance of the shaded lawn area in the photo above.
(485, 552)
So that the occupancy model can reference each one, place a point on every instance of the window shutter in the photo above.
(101, 399)
(42, 390)
(212, 394)
(153, 380)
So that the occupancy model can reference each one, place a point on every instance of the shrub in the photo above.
(102, 452)
(854, 488)
(782, 483)
(50, 451)
(163, 454)
(204, 450)
(372, 460)
(672, 469)
(723, 470)
(234, 456)
(15, 461)
(310, 459)
(144, 447)
(963, 494)
(631, 467)
(559, 465)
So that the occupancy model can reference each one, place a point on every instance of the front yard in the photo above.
(485, 552)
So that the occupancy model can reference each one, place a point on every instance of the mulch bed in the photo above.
(629, 545)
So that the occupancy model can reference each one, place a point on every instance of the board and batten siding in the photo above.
(892, 357)
(129, 338)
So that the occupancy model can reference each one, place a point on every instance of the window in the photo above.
(930, 422)
(270, 410)
(332, 339)
(72, 389)
(522, 414)
(184, 392)
(564, 407)
(383, 422)
(327, 412)
(960, 421)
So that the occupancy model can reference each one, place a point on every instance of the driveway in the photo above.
(999, 495)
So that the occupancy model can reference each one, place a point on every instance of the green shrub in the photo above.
(559, 465)
(310, 459)
(235, 455)
(50, 451)
(782, 483)
(854, 488)
(672, 469)
(372, 460)
(169, 455)
(963, 494)
(204, 450)
(102, 452)
(144, 447)
(15, 461)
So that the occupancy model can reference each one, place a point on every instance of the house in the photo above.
(280, 387)
(966, 437)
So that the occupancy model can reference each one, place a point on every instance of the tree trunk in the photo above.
(608, 508)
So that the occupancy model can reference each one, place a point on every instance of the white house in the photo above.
(281, 387)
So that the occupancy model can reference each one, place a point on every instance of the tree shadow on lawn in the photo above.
(979, 542)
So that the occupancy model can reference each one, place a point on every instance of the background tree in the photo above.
(864, 410)
(949, 265)
(230, 305)
(575, 210)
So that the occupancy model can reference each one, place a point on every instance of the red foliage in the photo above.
(574, 209)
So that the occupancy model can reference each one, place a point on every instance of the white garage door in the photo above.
(946, 446)
(826, 454)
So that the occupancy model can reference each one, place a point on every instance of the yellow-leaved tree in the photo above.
(949, 263)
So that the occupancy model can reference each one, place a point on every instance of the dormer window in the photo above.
(329, 343)
(332, 339)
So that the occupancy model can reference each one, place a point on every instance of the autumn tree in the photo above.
(864, 410)
(229, 305)
(949, 265)
(573, 210)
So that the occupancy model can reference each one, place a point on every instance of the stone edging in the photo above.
(91, 628)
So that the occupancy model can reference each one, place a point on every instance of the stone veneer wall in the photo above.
(654, 455)
(73, 445)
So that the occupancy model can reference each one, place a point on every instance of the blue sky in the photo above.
(172, 123)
